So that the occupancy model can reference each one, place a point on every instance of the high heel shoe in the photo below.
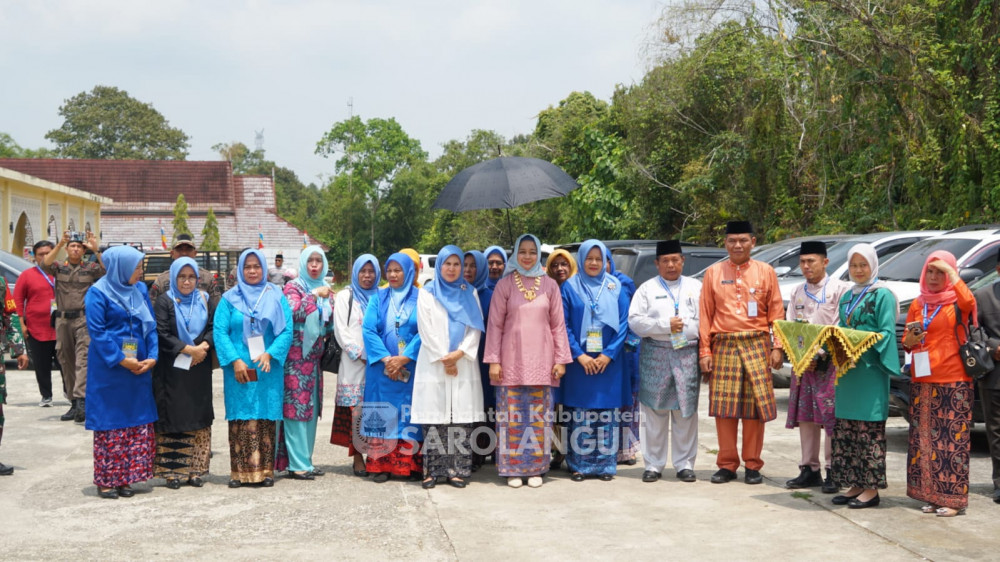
(858, 504)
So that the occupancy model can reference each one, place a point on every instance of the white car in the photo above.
(426, 272)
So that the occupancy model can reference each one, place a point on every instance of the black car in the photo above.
(640, 263)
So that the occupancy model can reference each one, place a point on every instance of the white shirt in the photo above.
(652, 308)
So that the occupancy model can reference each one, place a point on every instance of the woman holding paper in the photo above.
(941, 394)
(254, 334)
(182, 380)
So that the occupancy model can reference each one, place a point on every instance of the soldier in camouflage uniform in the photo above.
(184, 248)
(10, 335)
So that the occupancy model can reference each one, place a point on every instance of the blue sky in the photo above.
(220, 70)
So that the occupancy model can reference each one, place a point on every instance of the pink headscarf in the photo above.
(946, 296)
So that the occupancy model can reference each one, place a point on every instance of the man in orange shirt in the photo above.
(739, 301)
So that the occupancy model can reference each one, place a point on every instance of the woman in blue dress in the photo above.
(392, 344)
(123, 351)
(595, 386)
(253, 332)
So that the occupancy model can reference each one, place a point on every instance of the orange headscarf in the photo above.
(560, 253)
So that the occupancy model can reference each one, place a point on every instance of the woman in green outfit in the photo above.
(862, 402)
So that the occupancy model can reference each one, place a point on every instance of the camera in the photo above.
(77, 236)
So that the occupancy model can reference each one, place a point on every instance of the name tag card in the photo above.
(595, 341)
(256, 346)
(130, 347)
(752, 309)
(183, 361)
(922, 364)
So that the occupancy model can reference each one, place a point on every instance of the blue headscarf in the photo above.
(261, 301)
(599, 293)
(482, 269)
(402, 300)
(456, 297)
(361, 296)
(120, 262)
(492, 283)
(313, 325)
(190, 310)
(513, 265)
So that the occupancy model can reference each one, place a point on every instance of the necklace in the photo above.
(529, 294)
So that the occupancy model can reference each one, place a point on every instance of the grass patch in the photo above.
(712, 451)
(802, 495)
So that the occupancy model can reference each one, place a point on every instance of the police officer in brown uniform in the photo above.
(73, 278)
(184, 248)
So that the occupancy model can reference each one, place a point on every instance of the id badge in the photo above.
(595, 341)
(53, 306)
(183, 362)
(752, 309)
(256, 346)
(130, 347)
(402, 346)
(921, 364)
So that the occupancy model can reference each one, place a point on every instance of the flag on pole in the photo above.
(163, 238)
(260, 238)
(305, 239)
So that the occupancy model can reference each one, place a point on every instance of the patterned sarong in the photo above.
(183, 454)
(124, 456)
(251, 450)
(937, 462)
(669, 378)
(524, 430)
(740, 385)
(593, 441)
(801, 342)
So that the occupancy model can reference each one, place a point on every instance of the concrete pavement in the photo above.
(49, 509)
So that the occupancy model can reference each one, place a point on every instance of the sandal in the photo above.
(949, 512)
(429, 483)
(929, 508)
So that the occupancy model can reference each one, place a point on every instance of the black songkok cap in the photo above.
(813, 247)
(665, 247)
(739, 227)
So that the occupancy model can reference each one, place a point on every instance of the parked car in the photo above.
(155, 263)
(11, 266)
(640, 263)
(784, 255)
(426, 272)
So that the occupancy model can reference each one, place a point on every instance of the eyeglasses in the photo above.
(186, 278)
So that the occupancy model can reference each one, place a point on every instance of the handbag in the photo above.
(332, 351)
(976, 356)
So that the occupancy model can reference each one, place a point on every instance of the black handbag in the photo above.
(331, 348)
(976, 356)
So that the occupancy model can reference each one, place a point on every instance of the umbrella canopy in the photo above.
(504, 183)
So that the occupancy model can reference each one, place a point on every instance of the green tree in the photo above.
(210, 232)
(10, 149)
(106, 123)
(244, 160)
(181, 217)
(371, 153)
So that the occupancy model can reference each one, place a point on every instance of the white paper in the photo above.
(922, 364)
(752, 309)
(256, 346)
(183, 361)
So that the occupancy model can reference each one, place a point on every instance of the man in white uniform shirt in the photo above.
(811, 397)
(664, 313)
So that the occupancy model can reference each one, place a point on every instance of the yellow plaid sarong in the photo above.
(802, 341)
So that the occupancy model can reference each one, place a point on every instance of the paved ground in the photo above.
(49, 509)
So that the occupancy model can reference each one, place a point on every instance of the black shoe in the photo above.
(268, 482)
(457, 482)
(723, 475)
(807, 478)
(360, 473)
(125, 491)
(858, 504)
(381, 477)
(70, 414)
(650, 476)
(428, 483)
(630, 462)
(196, 481)
(606, 477)
(577, 477)
(557, 461)
(829, 486)
(996, 495)
(81, 411)
(318, 472)
(6, 470)
(173, 483)
(843, 500)
(752, 477)
(687, 475)
(235, 483)
(300, 475)
(111, 494)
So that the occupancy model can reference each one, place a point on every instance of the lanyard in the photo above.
(854, 304)
(190, 314)
(677, 304)
(51, 282)
(928, 320)
(822, 300)
(397, 311)
(590, 296)
(253, 311)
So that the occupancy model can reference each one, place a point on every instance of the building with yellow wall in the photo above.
(33, 209)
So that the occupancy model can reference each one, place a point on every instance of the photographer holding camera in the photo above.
(73, 278)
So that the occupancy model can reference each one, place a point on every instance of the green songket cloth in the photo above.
(801, 342)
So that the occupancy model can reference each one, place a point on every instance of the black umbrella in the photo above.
(504, 183)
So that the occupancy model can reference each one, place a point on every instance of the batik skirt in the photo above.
(524, 430)
(858, 454)
(123, 456)
(447, 450)
(251, 450)
(345, 429)
(811, 398)
(593, 441)
(397, 457)
(182, 455)
(937, 462)
(740, 385)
